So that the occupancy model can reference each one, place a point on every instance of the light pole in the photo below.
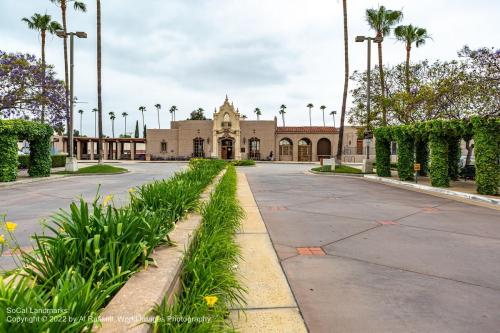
(71, 162)
(368, 134)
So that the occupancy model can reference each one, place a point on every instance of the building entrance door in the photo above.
(227, 152)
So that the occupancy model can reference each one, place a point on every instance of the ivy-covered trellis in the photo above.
(38, 135)
(438, 141)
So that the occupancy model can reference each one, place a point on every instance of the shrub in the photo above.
(243, 163)
(383, 136)
(8, 157)
(454, 153)
(406, 150)
(422, 155)
(58, 161)
(439, 161)
(487, 150)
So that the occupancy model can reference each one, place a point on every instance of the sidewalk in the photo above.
(271, 306)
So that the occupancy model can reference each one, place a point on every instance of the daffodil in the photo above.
(11, 226)
(2, 239)
(131, 190)
(107, 199)
(211, 300)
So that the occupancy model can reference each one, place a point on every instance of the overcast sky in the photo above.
(262, 53)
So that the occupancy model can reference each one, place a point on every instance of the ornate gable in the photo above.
(227, 119)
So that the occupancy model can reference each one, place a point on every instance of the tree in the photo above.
(172, 111)
(282, 113)
(144, 131)
(382, 20)
(158, 108)
(77, 6)
(136, 133)
(258, 113)
(198, 114)
(244, 117)
(20, 89)
(124, 115)
(112, 117)
(322, 107)
(99, 81)
(310, 106)
(346, 83)
(95, 121)
(409, 35)
(43, 24)
(333, 113)
(142, 109)
(81, 116)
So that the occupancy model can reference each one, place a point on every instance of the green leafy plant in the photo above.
(383, 137)
(243, 163)
(487, 151)
(406, 151)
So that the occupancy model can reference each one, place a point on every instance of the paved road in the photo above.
(396, 260)
(28, 204)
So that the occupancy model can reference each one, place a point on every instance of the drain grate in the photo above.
(310, 251)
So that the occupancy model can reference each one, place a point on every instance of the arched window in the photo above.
(226, 121)
(254, 149)
(163, 146)
(305, 150)
(286, 150)
(324, 148)
(198, 147)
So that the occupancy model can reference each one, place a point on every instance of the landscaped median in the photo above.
(93, 249)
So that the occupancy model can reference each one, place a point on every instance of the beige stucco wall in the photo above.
(156, 136)
(264, 130)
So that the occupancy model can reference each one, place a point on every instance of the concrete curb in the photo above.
(130, 309)
(339, 174)
(468, 197)
(270, 304)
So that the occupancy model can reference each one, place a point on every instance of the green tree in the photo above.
(112, 117)
(382, 20)
(144, 132)
(124, 115)
(99, 80)
(158, 108)
(346, 83)
(198, 114)
(409, 35)
(42, 24)
(172, 111)
(310, 106)
(282, 113)
(258, 113)
(136, 134)
(81, 116)
(94, 110)
(322, 107)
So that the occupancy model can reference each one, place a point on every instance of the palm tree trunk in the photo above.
(310, 123)
(113, 127)
(407, 68)
(42, 116)
(66, 71)
(81, 115)
(142, 119)
(99, 83)
(125, 126)
(346, 83)
(382, 82)
(158, 119)
(324, 124)
(283, 118)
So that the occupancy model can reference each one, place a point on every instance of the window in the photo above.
(254, 149)
(226, 122)
(198, 148)
(163, 146)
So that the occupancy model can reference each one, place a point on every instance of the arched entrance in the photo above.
(305, 150)
(286, 150)
(227, 149)
(324, 148)
(254, 149)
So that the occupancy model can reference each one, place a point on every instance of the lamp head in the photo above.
(81, 34)
(360, 39)
(60, 33)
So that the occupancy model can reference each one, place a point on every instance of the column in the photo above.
(105, 150)
(215, 145)
(91, 150)
(132, 150)
(78, 150)
(237, 146)
(118, 150)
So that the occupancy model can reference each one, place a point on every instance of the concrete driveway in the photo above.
(389, 260)
(28, 204)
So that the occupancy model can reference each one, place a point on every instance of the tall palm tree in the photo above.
(310, 106)
(172, 110)
(112, 117)
(95, 122)
(258, 113)
(142, 109)
(346, 83)
(409, 35)
(81, 116)
(77, 6)
(322, 107)
(244, 117)
(382, 20)
(99, 80)
(124, 115)
(333, 113)
(282, 113)
(158, 108)
(43, 24)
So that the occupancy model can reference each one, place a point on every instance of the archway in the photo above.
(254, 149)
(286, 150)
(227, 149)
(198, 149)
(324, 148)
(305, 150)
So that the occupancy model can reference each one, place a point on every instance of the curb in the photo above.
(130, 310)
(461, 196)
(338, 174)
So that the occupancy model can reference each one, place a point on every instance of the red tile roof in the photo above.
(308, 129)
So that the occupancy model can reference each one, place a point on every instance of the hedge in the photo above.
(454, 153)
(406, 151)
(422, 156)
(57, 161)
(487, 147)
(383, 151)
(439, 161)
(8, 157)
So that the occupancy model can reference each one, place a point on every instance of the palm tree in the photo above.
(333, 113)
(81, 115)
(172, 110)
(142, 109)
(258, 113)
(124, 115)
(322, 107)
(382, 20)
(112, 117)
(95, 122)
(409, 34)
(99, 81)
(310, 106)
(77, 6)
(43, 24)
(244, 117)
(158, 108)
(346, 83)
(282, 113)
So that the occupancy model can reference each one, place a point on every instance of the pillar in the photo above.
(118, 150)
(132, 150)
(91, 149)
(78, 149)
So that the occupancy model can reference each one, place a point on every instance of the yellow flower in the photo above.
(107, 199)
(11, 226)
(211, 300)
(131, 190)
(2, 239)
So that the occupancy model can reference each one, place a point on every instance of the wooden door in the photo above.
(304, 153)
(223, 152)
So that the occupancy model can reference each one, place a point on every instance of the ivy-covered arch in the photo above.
(442, 139)
(38, 135)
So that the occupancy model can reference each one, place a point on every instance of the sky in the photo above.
(261, 53)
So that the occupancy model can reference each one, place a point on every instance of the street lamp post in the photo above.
(368, 134)
(71, 161)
